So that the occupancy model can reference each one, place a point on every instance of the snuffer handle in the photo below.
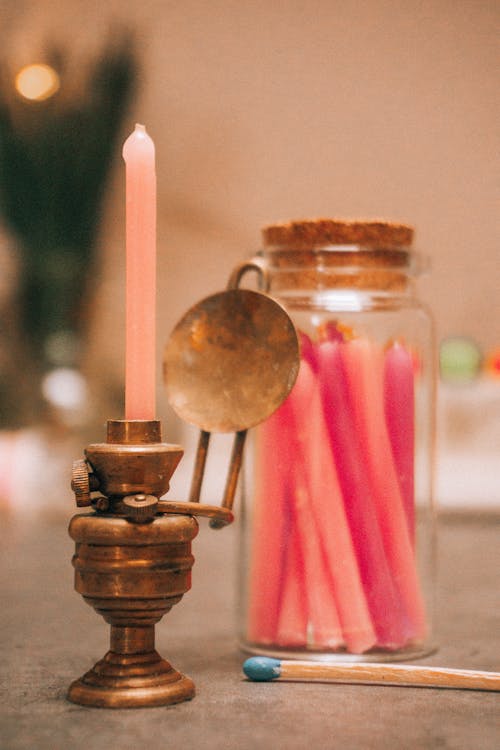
(229, 363)
(257, 265)
(199, 466)
(232, 477)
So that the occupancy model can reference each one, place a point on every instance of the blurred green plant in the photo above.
(55, 158)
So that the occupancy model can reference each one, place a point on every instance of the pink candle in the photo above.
(350, 459)
(140, 347)
(365, 368)
(271, 530)
(292, 621)
(400, 418)
(325, 523)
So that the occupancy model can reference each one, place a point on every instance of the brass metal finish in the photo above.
(124, 469)
(101, 503)
(132, 574)
(199, 466)
(80, 483)
(228, 365)
(231, 361)
(256, 264)
(140, 508)
(223, 517)
(197, 509)
(232, 478)
(133, 431)
(235, 466)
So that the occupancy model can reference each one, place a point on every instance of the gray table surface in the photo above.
(50, 637)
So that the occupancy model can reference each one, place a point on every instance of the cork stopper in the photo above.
(336, 253)
(308, 233)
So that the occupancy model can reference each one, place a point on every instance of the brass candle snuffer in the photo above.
(229, 363)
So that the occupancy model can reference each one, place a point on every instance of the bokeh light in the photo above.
(65, 388)
(492, 363)
(37, 82)
(459, 359)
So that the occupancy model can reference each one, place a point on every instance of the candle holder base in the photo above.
(131, 681)
(132, 574)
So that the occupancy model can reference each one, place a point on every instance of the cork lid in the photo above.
(308, 233)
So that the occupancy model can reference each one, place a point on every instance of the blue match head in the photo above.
(262, 668)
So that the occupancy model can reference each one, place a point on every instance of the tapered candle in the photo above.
(365, 368)
(325, 517)
(350, 459)
(271, 527)
(292, 621)
(140, 346)
(400, 419)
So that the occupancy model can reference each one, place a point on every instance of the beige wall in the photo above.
(271, 110)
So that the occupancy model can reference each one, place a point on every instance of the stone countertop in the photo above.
(50, 637)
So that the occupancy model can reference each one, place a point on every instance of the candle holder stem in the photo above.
(128, 641)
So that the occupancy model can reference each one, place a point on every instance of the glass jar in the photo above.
(338, 528)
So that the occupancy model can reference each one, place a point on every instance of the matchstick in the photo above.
(263, 669)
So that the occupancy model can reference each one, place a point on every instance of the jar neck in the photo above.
(355, 267)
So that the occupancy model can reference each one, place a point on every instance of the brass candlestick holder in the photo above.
(130, 565)
(133, 561)
(239, 351)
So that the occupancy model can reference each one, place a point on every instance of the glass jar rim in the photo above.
(345, 258)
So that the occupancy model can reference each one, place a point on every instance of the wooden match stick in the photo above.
(263, 669)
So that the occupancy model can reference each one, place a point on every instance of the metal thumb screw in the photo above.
(140, 508)
(80, 483)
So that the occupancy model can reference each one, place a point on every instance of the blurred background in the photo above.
(260, 111)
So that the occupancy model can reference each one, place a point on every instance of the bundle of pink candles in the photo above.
(333, 564)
